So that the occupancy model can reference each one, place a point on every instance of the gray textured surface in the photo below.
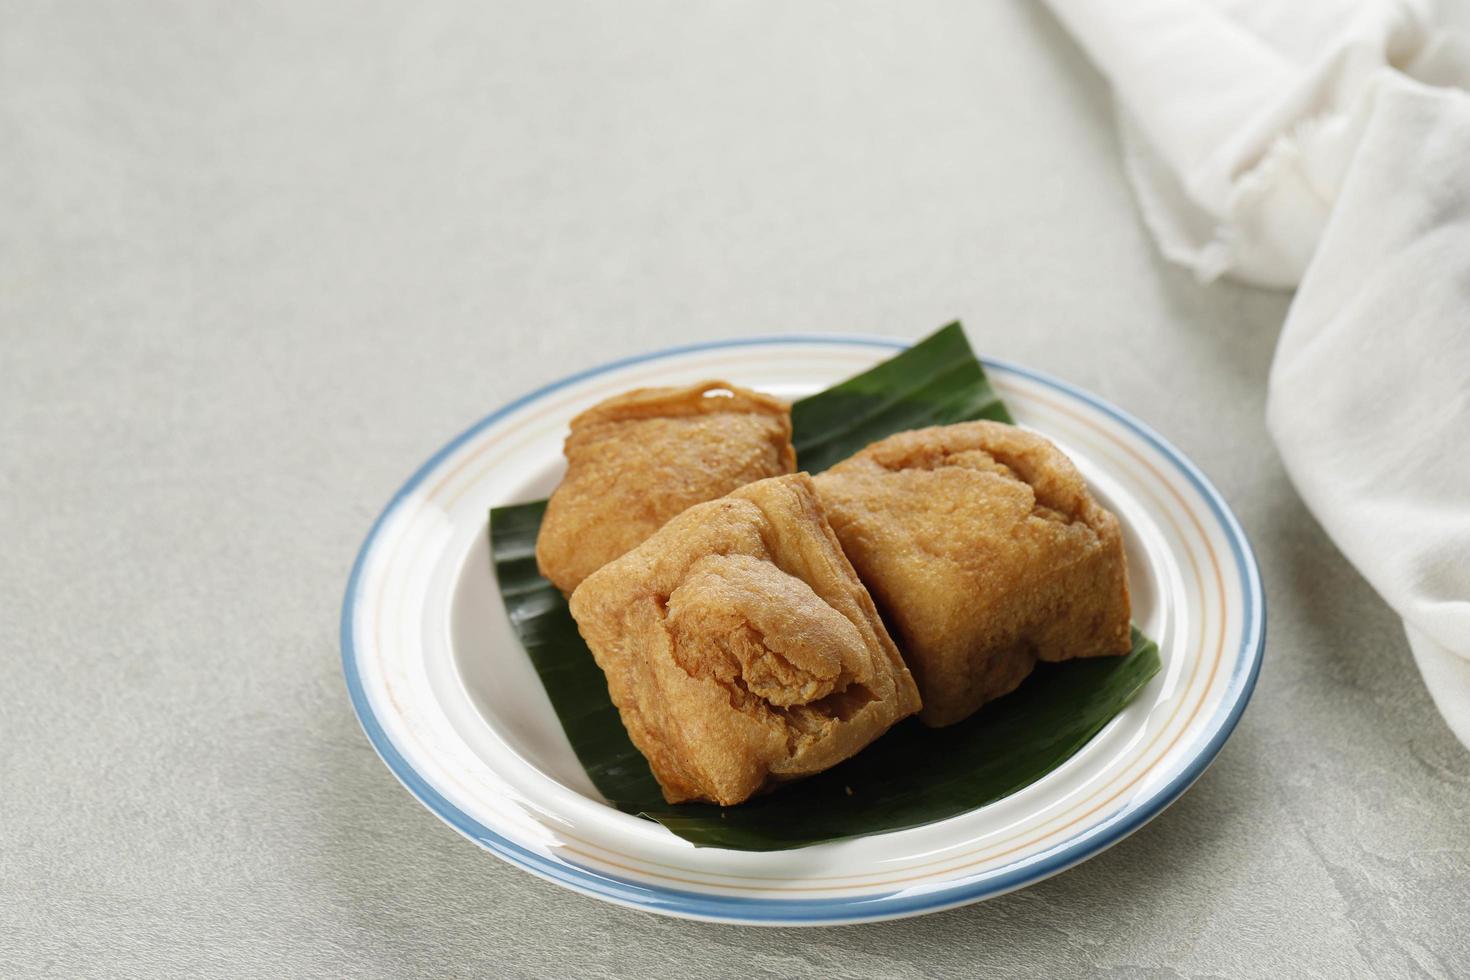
(255, 264)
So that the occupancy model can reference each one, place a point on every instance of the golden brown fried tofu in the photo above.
(986, 553)
(639, 458)
(740, 647)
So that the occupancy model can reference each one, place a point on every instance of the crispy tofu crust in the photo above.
(640, 458)
(986, 553)
(740, 647)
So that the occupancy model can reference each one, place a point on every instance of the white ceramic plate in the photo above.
(450, 701)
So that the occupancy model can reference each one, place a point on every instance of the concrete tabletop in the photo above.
(258, 261)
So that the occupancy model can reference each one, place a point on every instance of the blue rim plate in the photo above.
(448, 699)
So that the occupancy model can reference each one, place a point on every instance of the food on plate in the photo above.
(740, 647)
(637, 459)
(986, 553)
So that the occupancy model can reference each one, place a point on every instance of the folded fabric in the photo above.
(1387, 297)
(1328, 145)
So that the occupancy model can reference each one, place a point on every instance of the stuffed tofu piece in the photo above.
(639, 458)
(985, 552)
(740, 647)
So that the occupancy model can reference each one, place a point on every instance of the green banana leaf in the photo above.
(935, 382)
(912, 775)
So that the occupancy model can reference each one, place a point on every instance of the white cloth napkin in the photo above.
(1326, 145)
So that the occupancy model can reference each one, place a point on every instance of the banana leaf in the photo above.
(912, 775)
(935, 382)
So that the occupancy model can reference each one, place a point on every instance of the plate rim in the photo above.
(826, 911)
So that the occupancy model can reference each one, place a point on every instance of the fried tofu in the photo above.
(638, 459)
(985, 552)
(740, 647)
